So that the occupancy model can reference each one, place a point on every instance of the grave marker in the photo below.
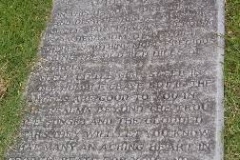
(127, 80)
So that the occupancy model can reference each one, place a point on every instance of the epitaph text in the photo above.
(124, 80)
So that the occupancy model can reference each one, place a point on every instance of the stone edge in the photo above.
(219, 150)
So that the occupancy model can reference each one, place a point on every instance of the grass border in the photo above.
(22, 23)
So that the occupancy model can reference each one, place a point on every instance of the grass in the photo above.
(21, 25)
(232, 81)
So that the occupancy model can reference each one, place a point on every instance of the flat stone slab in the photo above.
(127, 80)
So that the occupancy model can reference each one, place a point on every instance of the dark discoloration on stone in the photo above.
(126, 80)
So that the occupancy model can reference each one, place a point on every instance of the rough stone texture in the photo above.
(127, 80)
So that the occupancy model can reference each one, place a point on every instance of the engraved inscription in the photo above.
(124, 80)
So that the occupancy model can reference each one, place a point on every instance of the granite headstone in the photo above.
(127, 80)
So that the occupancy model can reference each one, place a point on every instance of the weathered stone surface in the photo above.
(127, 80)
